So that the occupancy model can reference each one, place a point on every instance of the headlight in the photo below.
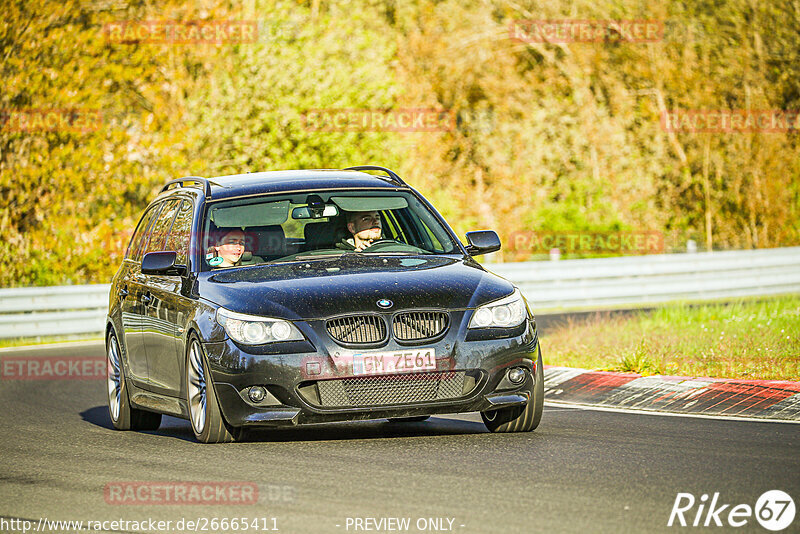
(255, 330)
(504, 313)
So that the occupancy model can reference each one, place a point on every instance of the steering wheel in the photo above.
(393, 245)
(381, 241)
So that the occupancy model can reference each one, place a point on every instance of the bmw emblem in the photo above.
(385, 304)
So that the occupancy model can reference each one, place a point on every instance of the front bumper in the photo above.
(479, 361)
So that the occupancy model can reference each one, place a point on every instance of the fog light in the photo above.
(516, 375)
(257, 393)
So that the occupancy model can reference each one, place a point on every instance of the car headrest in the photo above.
(321, 235)
(266, 241)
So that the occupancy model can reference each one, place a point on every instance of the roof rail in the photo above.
(392, 175)
(197, 179)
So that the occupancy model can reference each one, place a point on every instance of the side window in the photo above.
(437, 245)
(429, 239)
(158, 235)
(141, 232)
(405, 226)
(138, 252)
(180, 234)
(392, 227)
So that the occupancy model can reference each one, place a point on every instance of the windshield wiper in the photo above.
(309, 257)
(379, 253)
(318, 256)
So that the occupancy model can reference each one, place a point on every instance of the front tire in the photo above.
(207, 422)
(122, 415)
(519, 419)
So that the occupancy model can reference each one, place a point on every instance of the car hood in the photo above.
(352, 284)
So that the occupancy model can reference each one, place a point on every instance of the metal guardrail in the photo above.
(53, 311)
(550, 286)
(639, 280)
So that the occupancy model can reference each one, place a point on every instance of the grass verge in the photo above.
(750, 339)
(44, 340)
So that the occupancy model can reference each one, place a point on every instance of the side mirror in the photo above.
(162, 263)
(482, 242)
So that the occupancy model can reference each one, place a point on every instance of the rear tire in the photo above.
(205, 416)
(520, 419)
(415, 419)
(122, 415)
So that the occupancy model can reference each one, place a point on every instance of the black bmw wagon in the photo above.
(310, 296)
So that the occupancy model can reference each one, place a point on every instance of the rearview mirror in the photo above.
(162, 263)
(482, 242)
(307, 213)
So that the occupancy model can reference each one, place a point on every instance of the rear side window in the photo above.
(138, 253)
(141, 232)
(158, 235)
(180, 233)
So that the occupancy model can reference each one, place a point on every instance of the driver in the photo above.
(365, 227)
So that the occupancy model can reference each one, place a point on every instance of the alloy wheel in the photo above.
(114, 378)
(197, 388)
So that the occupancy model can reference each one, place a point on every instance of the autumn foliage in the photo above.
(103, 101)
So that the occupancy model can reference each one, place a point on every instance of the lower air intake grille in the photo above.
(413, 326)
(391, 389)
(357, 329)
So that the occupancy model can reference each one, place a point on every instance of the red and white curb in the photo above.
(760, 399)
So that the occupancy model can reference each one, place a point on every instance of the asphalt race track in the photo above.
(582, 470)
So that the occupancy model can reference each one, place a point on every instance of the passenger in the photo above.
(365, 227)
(229, 251)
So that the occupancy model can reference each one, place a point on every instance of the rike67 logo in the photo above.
(774, 510)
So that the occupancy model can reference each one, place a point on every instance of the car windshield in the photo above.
(320, 225)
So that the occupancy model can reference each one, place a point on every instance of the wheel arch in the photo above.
(123, 349)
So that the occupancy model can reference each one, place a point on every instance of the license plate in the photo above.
(375, 363)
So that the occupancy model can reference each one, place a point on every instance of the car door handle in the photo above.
(146, 299)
